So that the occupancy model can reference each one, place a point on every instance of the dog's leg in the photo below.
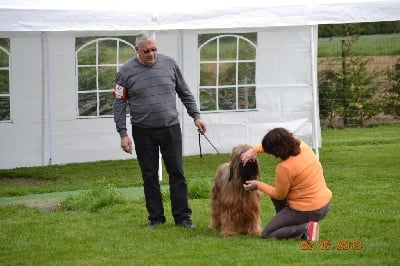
(252, 227)
(228, 231)
(215, 213)
(229, 223)
(215, 222)
(252, 220)
(216, 191)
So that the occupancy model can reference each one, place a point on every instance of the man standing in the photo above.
(149, 84)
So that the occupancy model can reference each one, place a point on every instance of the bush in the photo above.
(199, 189)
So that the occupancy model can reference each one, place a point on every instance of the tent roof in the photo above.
(113, 15)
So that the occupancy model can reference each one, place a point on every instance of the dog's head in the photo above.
(241, 172)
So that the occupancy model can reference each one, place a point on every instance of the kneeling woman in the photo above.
(300, 195)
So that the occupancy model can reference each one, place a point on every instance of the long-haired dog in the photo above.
(233, 209)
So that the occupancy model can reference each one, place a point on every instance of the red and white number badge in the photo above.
(119, 92)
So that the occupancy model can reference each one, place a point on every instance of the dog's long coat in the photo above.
(233, 209)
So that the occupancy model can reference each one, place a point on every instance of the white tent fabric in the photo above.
(104, 15)
(44, 127)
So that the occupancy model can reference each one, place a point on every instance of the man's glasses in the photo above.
(149, 50)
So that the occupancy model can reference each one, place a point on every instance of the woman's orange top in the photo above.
(300, 180)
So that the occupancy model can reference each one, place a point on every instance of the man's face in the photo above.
(147, 53)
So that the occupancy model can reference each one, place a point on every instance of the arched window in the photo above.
(97, 62)
(5, 95)
(227, 72)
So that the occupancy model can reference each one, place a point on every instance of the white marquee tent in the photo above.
(43, 126)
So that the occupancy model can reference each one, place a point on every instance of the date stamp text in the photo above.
(328, 245)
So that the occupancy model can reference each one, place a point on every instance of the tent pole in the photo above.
(46, 100)
(315, 118)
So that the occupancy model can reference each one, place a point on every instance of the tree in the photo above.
(392, 94)
(350, 93)
(328, 84)
(360, 101)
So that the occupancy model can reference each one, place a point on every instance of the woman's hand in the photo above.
(251, 185)
(248, 155)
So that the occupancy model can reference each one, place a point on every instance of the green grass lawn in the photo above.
(366, 45)
(361, 168)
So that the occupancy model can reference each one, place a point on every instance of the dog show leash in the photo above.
(212, 145)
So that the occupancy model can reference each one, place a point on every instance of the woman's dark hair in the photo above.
(281, 143)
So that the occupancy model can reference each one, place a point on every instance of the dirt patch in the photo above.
(377, 63)
(44, 206)
(51, 201)
(24, 181)
(44, 201)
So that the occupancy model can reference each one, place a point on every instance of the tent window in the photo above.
(97, 62)
(5, 96)
(227, 72)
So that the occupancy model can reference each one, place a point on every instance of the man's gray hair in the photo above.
(144, 36)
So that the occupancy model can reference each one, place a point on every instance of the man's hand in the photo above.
(251, 185)
(126, 144)
(201, 126)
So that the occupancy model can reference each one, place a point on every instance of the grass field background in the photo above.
(361, 168)
(366, 45)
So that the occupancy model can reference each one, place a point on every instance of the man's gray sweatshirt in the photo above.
(151, 94)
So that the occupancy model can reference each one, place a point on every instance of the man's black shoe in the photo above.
(155, 223)
(186, 223)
